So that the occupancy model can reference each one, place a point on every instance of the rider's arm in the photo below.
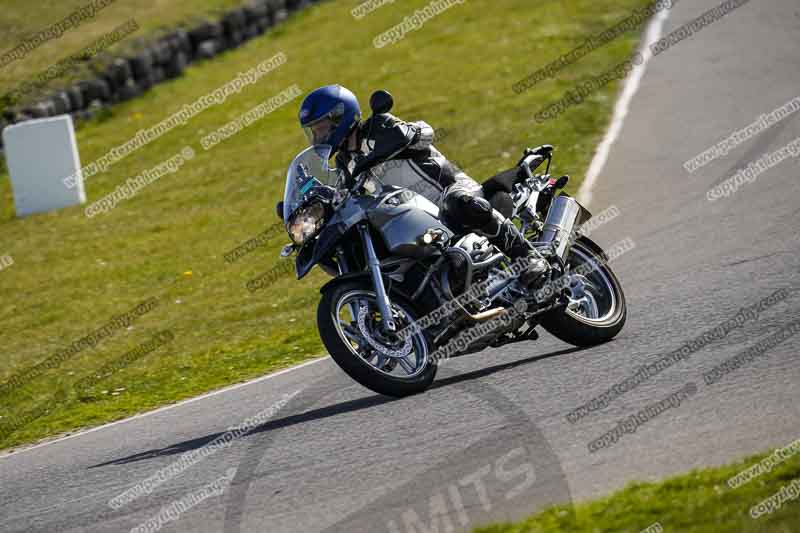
(424, 136)
(387, 136)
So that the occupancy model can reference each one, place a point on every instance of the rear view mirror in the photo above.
(381, 102)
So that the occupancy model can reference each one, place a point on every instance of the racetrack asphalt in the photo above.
(491, 441)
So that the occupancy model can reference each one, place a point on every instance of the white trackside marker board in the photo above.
(40, 154)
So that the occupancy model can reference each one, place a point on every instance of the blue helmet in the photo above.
(329, 114)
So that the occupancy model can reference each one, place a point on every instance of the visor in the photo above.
(319, 131)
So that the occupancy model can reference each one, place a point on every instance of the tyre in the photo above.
(205, 31)
(251, 32)
(161, 52)
(278, 11)
(87, 91)
(62, 103)
(85, 114)
(235, 19)
(30, 112)
(597, 310)
(295, 5)
(75, 95)
(256, 11)
(175, 66)
(234, 23)
(45, 108)
(235, 39)
(158, 75)
(142, 65)
(179, 42)
(120, 72)
(208, 49)
(101, 89)
(128, 91)
(264, 23)
(348, 319)
(146, 83)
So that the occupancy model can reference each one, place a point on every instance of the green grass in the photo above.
(697, 502)
(72, 274)
(21, 18)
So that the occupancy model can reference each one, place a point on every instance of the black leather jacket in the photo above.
(385, 137)
(411, 161)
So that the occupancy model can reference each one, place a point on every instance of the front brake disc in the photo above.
(362, 325)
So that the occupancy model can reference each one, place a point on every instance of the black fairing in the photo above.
(324, 245)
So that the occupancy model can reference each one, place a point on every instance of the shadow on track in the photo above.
(328, 411)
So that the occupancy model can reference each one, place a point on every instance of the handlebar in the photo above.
(529, 163)
(535, 157)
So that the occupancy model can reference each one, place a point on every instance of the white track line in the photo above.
(621, 108)
(4, 455)
(584, 196)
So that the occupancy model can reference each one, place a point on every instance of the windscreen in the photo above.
(309, 169)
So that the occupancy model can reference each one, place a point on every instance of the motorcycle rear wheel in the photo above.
(347, 318)
(602, 313)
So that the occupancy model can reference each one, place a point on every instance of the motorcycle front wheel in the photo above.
(349, 322)
(597, 310)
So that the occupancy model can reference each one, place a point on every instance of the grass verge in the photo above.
(21, 18)
(72, 274)
(698, 502)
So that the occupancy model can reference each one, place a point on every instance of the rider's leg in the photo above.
(466, 209)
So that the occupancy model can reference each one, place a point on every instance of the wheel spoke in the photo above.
(381, 362)
(353, 335)
(406, 365)
(354, 306)
(592, 286)
(350, 329)
(361, 332)
(593, 295)
(591, 306)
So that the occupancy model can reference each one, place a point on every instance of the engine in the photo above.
(472, 249)
(476, 246)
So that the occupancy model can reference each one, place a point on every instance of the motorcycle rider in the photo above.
(331, 115)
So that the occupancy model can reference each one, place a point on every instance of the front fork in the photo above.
(374, 265)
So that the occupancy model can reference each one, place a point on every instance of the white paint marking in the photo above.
(653, 34)
(4, 455)
(621, 108)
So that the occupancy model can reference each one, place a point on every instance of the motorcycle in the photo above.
(408, 292)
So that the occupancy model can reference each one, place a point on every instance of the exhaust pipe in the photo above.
(563, 219)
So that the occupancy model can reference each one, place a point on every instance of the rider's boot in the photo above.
(466, 207)
(511, 241)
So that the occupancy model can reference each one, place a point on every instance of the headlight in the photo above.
(306, 223)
